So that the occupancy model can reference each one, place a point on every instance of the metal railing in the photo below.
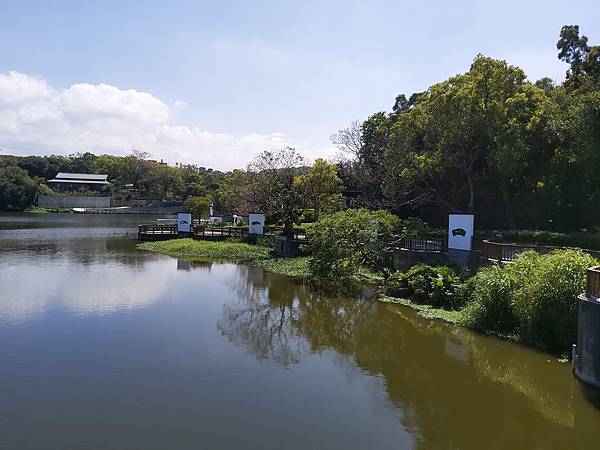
(219, 232)
(207, 232)
(426, 244)
(499, 251)
(502, 252)
(157, 229)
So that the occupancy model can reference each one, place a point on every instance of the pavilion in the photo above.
(75, 181)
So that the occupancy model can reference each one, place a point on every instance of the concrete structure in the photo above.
(586, 360)
(73, 201)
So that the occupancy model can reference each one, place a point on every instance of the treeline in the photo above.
(518, 154)
(134, 176)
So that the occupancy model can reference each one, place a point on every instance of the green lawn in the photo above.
(196, 249)
(231, 250)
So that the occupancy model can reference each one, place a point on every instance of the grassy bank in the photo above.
(230, 250)
(425, 311)
(194, 249)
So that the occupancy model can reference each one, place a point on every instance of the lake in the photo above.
(103, 346)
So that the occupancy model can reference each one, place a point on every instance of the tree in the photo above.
(584, 71)
(320, 187)
(199, 207)
(17, 189)
(270, 185)
(236, 193)
(473, 129)
(163, 181)
(349, 140)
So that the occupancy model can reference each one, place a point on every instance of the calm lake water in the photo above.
(106, 347)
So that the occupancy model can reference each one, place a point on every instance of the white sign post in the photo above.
(460, 231)
(184, 222)
(256, 223)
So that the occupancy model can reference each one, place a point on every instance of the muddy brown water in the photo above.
(106, 347)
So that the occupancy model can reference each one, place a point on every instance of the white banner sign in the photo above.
(184, 222)
(460, 231)
(256, 223)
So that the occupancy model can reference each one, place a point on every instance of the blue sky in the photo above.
(215, 82)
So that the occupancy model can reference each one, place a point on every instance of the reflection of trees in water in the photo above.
(455, 389)
(263, 320)
(85, 251)
(190, 264)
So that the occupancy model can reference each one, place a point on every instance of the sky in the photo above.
(214, 83)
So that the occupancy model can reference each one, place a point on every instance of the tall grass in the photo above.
(533, 299)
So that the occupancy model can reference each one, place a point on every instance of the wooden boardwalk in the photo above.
(160, 232)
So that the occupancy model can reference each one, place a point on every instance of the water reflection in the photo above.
(262, 321)
(27, 290)
(454, 388)
(75, 263)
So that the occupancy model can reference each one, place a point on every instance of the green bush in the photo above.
(343, 242)
(438, 286)
(489, 307)
(545, 305)
(533, 298)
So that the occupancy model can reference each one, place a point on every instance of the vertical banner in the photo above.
(256, 223)
(460, 231)
(184, 222)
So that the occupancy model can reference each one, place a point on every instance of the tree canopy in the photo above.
(489, 141)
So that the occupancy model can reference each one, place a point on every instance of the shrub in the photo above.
(545, 305)
(438, 286)
(343, 242)
(533, 298)
(489, 306)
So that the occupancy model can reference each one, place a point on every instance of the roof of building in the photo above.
(82, 178)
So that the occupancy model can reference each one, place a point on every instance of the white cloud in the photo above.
(16, 87)
(37, 119)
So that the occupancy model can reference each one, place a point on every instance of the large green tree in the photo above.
(17, 189)
(319, 189)
(471, 133)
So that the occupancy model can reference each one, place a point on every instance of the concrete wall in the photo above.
(587, 361)
(73, 201)
(133, 203)
(404, 259)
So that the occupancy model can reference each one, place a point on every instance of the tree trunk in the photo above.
(508, 209)
(471, 194)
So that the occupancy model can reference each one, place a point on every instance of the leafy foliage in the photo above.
(17, 189)
(320, 188)
(293, 267)
(438, 286)
(199, 207)
(133, 176)
(545, 306)
(533, 298)
(343, 242)
(517, 153)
